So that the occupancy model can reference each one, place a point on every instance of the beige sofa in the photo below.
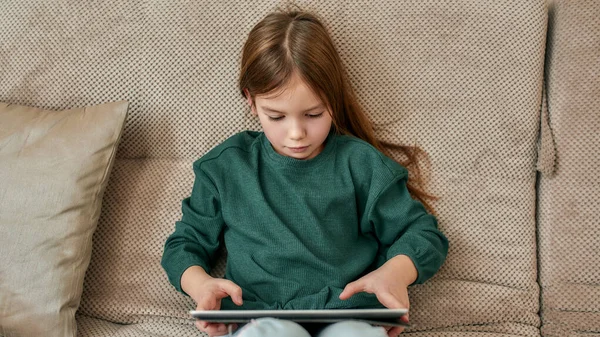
(503, 95)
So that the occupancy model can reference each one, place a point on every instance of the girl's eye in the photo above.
(315, 116)
(275, 118)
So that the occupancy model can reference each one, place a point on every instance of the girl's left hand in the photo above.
(390, 284)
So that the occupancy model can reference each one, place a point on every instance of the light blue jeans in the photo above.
(273, 327)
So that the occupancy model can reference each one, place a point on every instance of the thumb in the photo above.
(232, 290)
(351, 289)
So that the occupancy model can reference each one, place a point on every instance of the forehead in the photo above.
(295, 91)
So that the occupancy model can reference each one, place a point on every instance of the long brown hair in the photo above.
(290, 41)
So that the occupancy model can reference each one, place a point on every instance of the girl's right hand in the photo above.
(208, 297)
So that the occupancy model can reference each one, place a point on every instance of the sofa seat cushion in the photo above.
(154, 327)
(149, 327)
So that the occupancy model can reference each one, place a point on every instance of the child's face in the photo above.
(289, 121)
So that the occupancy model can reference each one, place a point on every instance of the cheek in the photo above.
(272, 130)
(325, 126)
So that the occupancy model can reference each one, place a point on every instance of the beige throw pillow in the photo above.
(54, 166)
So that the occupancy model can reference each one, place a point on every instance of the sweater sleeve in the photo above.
(197, 235)
(403, 227)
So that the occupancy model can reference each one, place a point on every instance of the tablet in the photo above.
(389, 317)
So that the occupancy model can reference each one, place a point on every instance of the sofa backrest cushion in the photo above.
(569, 215)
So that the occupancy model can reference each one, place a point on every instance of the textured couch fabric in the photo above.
(462, 79)
(569, 218)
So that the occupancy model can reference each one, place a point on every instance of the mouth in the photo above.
(298, 149)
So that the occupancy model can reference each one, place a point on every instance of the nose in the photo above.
(297, 131)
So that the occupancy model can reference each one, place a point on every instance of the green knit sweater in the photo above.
(297, 231)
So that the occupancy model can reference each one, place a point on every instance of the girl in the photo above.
(312, 211)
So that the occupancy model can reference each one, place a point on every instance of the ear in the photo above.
(250, 102)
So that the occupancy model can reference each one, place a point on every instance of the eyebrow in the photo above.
(281, 112)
